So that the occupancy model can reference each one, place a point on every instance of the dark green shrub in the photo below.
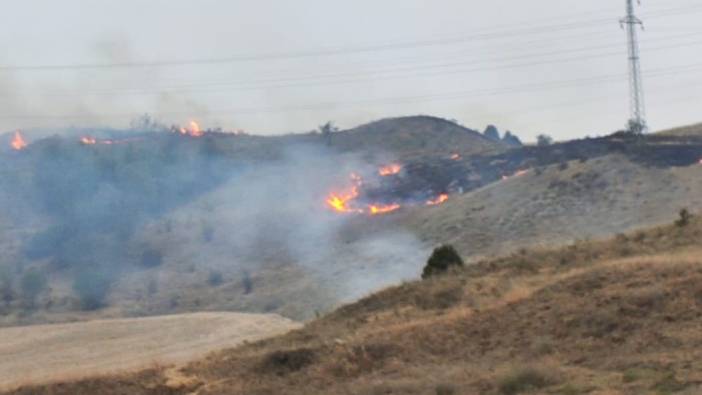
(215, 278)
(7, 292)
(441, 259)
(523, 380)
(247, 283)
(32, 284)
(151, 258)
(684, 218)
(91, 286)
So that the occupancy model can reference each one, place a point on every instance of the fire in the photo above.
(390, 170)
(340, 201)
(456, 157)
(87, 140)
(18, 142)
(375, 210)
(519, 173)
(440, 199)
(195, 130)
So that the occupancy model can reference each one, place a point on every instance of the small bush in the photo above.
(208, 233)
(684, 218)
(151, 258)
(32, 284)
(287, 361)
(441, 259)
(445, 389)
(523, 380)
(91, 286)
(247, 283)
(7, 292)
(215, 278)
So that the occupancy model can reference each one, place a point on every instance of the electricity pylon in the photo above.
(637, 118)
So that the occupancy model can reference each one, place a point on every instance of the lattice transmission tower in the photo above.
(637, 118)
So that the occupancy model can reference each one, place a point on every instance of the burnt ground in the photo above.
(430, 176)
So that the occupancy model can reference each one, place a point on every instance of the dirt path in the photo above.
(42, 353)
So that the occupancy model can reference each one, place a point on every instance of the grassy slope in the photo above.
(597, 198)
(612, 316)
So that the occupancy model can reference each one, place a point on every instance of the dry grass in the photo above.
(55, 353)
(613, 316)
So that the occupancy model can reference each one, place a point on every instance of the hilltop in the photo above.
(618, 315)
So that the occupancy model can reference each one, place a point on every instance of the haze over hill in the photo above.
(163, 222)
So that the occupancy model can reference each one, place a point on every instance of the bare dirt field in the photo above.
(45, 353)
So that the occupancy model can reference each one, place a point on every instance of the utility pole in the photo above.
(637, 118)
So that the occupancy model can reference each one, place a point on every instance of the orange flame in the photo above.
(18, 142)
(340, 201)
(87, 140)
(376, 210)
(440, 199)
(390, 170)
(456, 157)
(517, 174)
(195, 130)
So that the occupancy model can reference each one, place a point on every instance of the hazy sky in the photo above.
(551, 66)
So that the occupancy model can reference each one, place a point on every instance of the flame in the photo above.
(390, 170)
(376, 210)
(519, 173)
(87, 140)
(18, 142)
(340, 201)
(195, 130)
(440, 199)
(456, 157)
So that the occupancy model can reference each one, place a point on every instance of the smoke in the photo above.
(275, 213)
(235, 204)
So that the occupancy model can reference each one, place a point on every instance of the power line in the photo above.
(485, 35)
(524, 88)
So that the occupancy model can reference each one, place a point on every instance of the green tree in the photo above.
(543, 140)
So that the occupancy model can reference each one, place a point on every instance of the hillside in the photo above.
(613, 316)
(174, 224)
(560, 204)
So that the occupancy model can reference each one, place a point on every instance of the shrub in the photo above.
(441, 259)
(91, 287)
(32, 284)
(445, 389)
(543, 140)
(523, 380)
(684, 218)
(7, 293)
(215, 278)
(247, 283)
(151, 258)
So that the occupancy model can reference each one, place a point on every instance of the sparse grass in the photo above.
(566, 320)
(524, 379)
